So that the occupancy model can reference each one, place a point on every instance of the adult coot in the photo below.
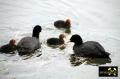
(56, 41)
(28, 45)
(8, 48)
(63, 24)
(88, 49)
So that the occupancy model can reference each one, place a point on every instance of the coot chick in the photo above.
(28, 45)
(8, 48)
(88, 49)
(56, 41)
(63, 24)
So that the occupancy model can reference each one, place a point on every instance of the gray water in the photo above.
(97, 20)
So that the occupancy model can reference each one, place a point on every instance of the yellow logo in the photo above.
(112, 71)
(108, 71)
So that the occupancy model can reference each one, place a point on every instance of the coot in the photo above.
(63, 24)
(8, 48)
(88, 49)
(28, 45)
(56, 41)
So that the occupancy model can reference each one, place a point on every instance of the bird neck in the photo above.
(78, 43)
(61, 38)
(35, 35)
(68, 24)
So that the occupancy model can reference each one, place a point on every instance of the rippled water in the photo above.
(97, 20)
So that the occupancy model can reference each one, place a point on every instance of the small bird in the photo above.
(28, 45)
(63, 24)
(56, 41)
(88, 49)
(8, 48)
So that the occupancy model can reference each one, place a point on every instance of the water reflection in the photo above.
(76, 60)
(67, 31)
(58, 46)
(37, 53)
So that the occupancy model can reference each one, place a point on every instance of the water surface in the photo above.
(97, 20)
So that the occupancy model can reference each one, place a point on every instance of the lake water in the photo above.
(97, 20)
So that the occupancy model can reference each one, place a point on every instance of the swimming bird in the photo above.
(63, 24)
(88, 49)
(28, 45)
(56, 41)
(9, 48)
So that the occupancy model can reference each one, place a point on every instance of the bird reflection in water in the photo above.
(77, 60)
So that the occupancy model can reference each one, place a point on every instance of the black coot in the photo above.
(28, 45)
(88, 49)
